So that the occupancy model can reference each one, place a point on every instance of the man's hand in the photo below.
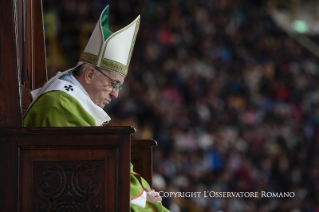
(152, 196)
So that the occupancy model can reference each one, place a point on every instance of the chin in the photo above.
(101, 105)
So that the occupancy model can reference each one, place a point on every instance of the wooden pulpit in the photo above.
(65, 169)
(55, 169)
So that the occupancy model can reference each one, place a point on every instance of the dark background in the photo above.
(230, 98)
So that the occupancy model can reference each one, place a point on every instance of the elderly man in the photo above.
(77, 96)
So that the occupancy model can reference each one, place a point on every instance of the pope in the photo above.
(76, 97)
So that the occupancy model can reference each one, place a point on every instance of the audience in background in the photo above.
(231, 99)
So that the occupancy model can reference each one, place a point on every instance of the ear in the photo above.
(89, 75)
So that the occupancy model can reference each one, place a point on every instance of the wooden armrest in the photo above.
(142, 157)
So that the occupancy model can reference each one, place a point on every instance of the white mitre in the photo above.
(108, 50)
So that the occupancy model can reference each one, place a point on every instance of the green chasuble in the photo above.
(59, 109)
(137, 184)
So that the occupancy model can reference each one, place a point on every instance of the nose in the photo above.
(114, 94)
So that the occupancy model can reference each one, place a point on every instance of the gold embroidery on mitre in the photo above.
(133, 42)
(114, 66)
(89, 58)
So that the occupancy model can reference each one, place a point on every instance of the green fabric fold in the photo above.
(137, 188)
(57, 109)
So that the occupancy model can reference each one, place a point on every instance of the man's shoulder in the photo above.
(55, 101)
(57, 109)
(55, 97)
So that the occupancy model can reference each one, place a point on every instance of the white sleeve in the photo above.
(140, 201)
(35, 93)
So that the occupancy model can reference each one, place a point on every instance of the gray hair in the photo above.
(78, 71)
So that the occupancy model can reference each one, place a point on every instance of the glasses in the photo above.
(115, 85)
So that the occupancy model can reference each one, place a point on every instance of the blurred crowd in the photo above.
(231, 99)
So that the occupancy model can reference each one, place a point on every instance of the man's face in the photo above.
(101, 89)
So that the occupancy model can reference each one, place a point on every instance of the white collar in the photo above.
(95, 111)
(71, 79)
(39, 91)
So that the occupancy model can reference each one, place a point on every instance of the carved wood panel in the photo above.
(65, 169)
(68, 180)
(68, 186)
